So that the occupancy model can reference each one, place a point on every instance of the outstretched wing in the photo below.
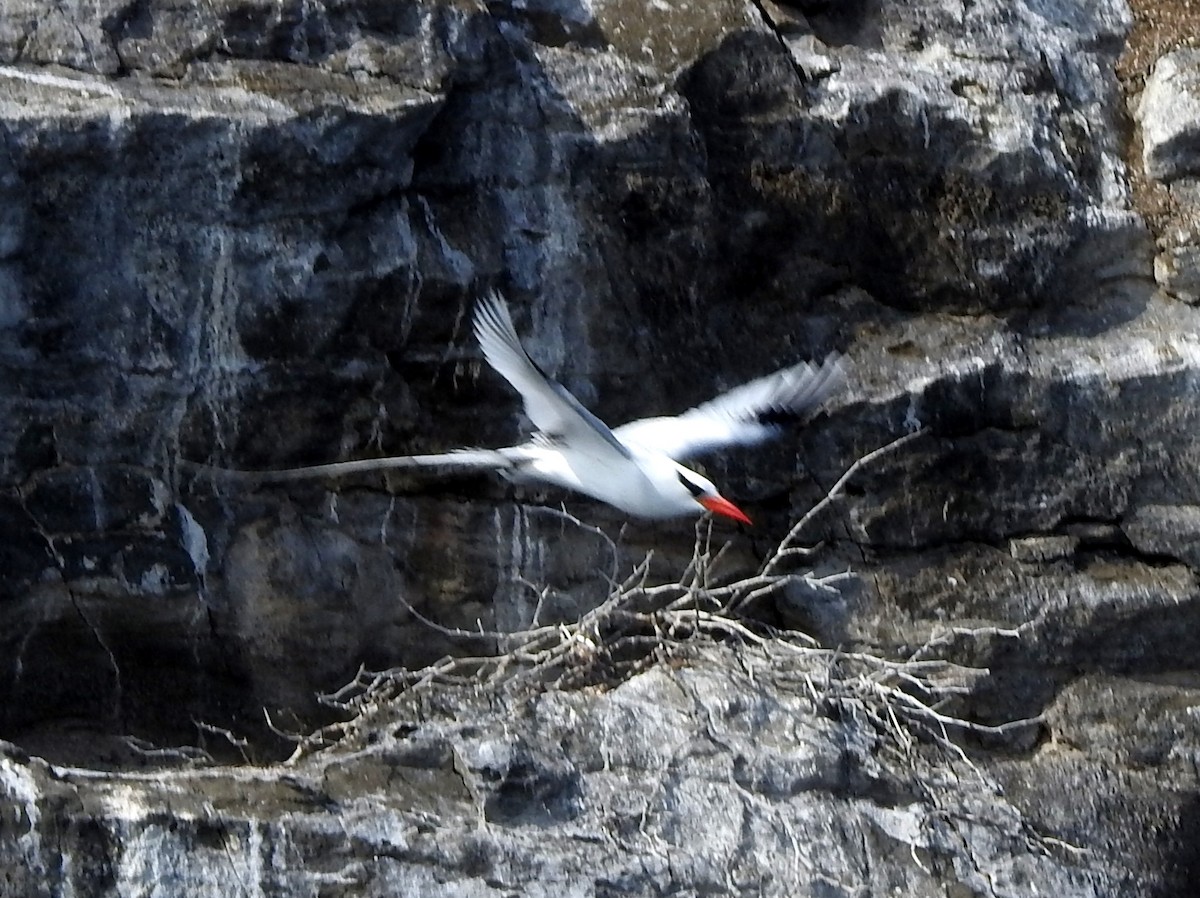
(744, 416)
(558, 416)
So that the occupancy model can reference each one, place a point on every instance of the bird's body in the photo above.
(634, 467)
(645, 484)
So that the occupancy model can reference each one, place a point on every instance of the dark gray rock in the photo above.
(1167, 530)
(249, 233)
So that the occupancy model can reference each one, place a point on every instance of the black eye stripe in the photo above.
(692, 488)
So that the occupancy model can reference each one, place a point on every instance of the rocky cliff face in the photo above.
(250, 232)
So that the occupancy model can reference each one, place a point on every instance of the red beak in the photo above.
(721, 505)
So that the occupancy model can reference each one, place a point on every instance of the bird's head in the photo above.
(706, 495)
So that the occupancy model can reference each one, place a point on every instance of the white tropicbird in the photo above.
(633, 467)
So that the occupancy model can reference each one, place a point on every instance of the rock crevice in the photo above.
(250, 233)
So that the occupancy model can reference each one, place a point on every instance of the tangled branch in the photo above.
(640, 624)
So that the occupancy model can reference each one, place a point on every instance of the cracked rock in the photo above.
(249, 233)
(1171, 530)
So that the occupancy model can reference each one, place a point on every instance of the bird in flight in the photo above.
(634, 467)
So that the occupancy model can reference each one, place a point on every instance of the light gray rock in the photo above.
(1043, 548)
(1178, 271)
(1169, 113)
(676, 780)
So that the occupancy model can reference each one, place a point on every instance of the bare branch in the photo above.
(187, 754)
(834, 491)
(907, 701)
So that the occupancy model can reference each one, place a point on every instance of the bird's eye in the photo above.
(692, 488)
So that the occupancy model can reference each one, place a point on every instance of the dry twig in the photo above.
(639, 624)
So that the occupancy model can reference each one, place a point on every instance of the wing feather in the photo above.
(557, 414)
(744, 416)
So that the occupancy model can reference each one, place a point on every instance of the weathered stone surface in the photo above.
(1043, 548)
(249, 233)
(1169, 530)
(1170, 117)
(676, 780)
(1178, 271)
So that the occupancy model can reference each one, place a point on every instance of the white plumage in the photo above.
(634, 467)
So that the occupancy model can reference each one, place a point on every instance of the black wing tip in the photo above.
(780, 417)
(816, 384)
